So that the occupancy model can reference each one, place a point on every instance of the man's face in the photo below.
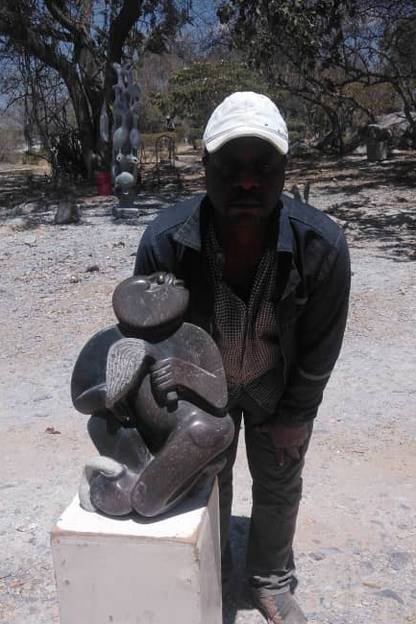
(245, 179)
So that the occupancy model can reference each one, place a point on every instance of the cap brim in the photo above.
(277, 141)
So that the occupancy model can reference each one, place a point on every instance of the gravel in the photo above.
(356, 538)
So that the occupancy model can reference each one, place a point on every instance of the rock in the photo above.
(41, 397)
(30, 240)
(28, 208)
(389, 593)
(367, 566)
(67, 212)
(330, 550)
(400, 560)
(26, 528)
(92, 268)
(74, 279)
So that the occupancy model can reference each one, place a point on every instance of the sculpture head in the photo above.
(150, 305)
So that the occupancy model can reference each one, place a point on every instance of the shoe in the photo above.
(278, 608)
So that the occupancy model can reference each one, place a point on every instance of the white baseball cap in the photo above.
(246, 114)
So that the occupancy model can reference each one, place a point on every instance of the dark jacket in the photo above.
(313, 288)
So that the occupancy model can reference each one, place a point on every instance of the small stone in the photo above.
(389, 593)
(52, 431)
(26, 528)
(331, 550)
(41, 397)
(30, 240)
(67, 212)
(316, 556)
(74, 279)
(28, 207)
(367, 566)
(399, 560)
(92, 268)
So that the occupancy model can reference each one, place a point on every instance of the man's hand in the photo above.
(286, 440)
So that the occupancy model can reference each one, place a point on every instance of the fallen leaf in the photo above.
(51, 430)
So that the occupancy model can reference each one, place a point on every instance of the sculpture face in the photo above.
(153, 302)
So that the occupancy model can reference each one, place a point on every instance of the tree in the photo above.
(194, 91)
(330, 52)
(81, 40)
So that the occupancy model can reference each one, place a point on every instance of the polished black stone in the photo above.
(156, 389)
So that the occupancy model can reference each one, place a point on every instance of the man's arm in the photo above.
(320, 332)
(147, 258)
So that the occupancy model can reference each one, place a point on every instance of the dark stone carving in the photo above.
(156, 389)
(378, 139)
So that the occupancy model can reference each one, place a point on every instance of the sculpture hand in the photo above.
(164, 379)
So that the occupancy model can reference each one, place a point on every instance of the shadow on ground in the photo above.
(236, 595)
(374, 201)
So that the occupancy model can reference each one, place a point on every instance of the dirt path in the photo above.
(356, 540)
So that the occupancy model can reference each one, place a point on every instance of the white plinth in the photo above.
(128, 571)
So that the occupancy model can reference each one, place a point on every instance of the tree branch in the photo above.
(64, 18)
(121, 26)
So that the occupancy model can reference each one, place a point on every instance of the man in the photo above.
(269, 279)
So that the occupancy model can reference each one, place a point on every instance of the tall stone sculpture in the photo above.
(125, 137)
(156, 389)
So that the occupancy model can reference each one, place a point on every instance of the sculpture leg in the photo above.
(124, 444)
(108, 480)
(193, 448)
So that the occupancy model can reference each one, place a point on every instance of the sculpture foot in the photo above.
(106, 486)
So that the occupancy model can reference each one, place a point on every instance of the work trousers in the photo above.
(276, 494)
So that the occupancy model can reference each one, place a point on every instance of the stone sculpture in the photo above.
(156, 389)
(125, 137)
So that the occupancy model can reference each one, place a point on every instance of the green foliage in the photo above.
(335, 54)
(193, 92)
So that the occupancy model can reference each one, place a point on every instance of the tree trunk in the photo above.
(87, 132)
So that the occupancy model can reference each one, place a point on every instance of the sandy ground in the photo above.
(356, 538)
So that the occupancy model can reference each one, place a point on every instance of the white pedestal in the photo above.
(131, 571)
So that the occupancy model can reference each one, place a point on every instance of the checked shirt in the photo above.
(246, 333)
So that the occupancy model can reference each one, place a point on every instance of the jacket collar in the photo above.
(189, 235)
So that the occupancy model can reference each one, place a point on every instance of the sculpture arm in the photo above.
(189, 380)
